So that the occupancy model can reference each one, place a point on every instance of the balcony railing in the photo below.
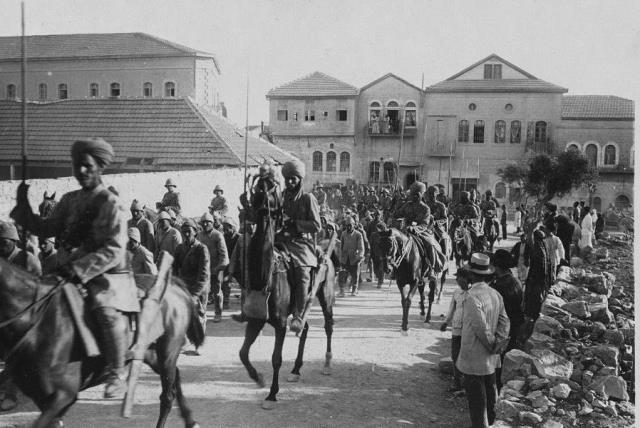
(441, 150)
(389, 130)
(540, 147)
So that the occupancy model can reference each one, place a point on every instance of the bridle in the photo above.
(394, 245)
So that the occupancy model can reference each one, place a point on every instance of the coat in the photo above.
(304, 222)
(192, 265)
(171, 200)
(167, 241)
(219, 203)
(512, 296)
(351, 248)
(49, 263)
(215, 243)
(147, 238)
(142, 261)
(91, 229)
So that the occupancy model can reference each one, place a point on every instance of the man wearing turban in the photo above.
(91, 228)
(301, 222)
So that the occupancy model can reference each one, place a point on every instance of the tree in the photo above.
(545, 177)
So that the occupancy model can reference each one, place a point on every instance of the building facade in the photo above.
(118, 65)
(460, 131)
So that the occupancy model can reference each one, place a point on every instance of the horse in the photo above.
(490, 232)
(399, 251)
(463, 242)
(47, 205)
(269, 272)
(45, 356)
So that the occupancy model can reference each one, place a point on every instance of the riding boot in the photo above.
(113, 348)
(302, 277)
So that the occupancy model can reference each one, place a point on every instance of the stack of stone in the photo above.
(578, 362)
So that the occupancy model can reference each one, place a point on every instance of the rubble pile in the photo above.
(577, 367)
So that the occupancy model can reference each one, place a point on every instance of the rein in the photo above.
(395, 263)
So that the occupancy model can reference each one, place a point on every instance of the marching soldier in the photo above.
(9, 250)
(145, 227)
(301, 223)
(48, 255)
(167, 238)
(219, 260)
(92, 230)
(141, 258)
(219, 202)
(171, 199)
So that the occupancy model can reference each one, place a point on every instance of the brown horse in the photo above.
(268, 274)
(45, 356)
(399, 252)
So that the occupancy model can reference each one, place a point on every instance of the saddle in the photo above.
(151, 290)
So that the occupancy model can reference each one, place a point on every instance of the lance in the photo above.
(466, 173)
(246, 208)
(400, 149)
(23, 82)
(449, 177)
(460, 175)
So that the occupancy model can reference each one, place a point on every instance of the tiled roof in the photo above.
(597, 107)
(495, 85)
(168, 132)
(58, 46)
(380, 79)
(315, 84)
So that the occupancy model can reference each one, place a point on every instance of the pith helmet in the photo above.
(218, 188)
(169, 182)
(136, 205)
(206, 217)
(164, 216)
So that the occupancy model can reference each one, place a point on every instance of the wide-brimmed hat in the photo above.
(480, 263)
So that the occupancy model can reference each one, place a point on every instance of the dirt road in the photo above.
(380, 378)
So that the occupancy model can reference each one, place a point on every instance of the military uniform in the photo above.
(147, 236)
(142, 261)
(219, 204)
(171, 200)
(48, 262)
(167, 241)
(219, 259)
(192, 265)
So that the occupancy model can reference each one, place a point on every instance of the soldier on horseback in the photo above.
(466, 210)
(92, 230)
(301, 221)
(488, 208)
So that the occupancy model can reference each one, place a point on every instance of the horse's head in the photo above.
(265, 197)
(47, 205)
(387, 250)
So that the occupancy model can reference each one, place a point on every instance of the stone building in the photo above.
(457, 132)
(115, 65)
(314, 118)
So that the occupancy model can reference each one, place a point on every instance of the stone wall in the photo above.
(195, 187)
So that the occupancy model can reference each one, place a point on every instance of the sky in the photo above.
(589, 47)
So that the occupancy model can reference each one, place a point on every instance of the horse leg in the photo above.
(421, 291)
(327, 312)
(185, 410)
(276, 363)
(251, 333)
(443, 278)
(294, 376)
(406, 302)
(167, 362)
(432, 292)
(58, 404)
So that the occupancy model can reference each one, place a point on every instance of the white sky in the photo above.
(589, 47)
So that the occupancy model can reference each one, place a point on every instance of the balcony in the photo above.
(621, 168)
(390, 131)
(441, 150)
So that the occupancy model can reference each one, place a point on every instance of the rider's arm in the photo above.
(312, 223)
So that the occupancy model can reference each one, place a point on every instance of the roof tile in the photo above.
(495, 85)
(314, 84)
(597, 107)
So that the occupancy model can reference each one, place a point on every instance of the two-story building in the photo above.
(314, 118)
(114, 65)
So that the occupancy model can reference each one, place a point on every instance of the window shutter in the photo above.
(530, 136)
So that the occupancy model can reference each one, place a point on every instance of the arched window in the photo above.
(541, 132)
(478, 131)
(573, 148)
(622, 202)
(331, 161)
(94, 90)
(591, 153)
(410, 114)
(516, 128)
(115, 89)
(501, 190)
(345, 162)
(501, 132)
(610, 155)
(11, 91)
(463, 131)
(42, 91)
(169, 89)
(317, 161)
(63, 93)
(392, 118)
(147, 89)
(388, 173)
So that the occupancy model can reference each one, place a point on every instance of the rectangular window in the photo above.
(341, 115)
(463, 131)
(478, 131)
(515, 132)
(309, 116)
(295, 116)
(374, 171)
(500, 132)
(493, 71)
(283, 115)
(325, 115)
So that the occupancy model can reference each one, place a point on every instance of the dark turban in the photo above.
(294, 167)
(98, 148)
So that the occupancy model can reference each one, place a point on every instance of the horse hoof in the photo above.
(57, 423)
(422, 313)
(293, 377)
(268, 405)
(404, 332)
(326, 371)
(260, 380)
(194, 425)
(427, 320)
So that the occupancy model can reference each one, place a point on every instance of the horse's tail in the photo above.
(195, 331)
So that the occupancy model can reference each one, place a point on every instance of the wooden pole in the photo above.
(400, 149)
(460, 175)
(449, 177)
(23, 90)
(247, 199)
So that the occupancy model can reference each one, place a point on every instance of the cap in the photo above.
(206, 217)
(134, 233)
(164, 216)
(189, 223)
